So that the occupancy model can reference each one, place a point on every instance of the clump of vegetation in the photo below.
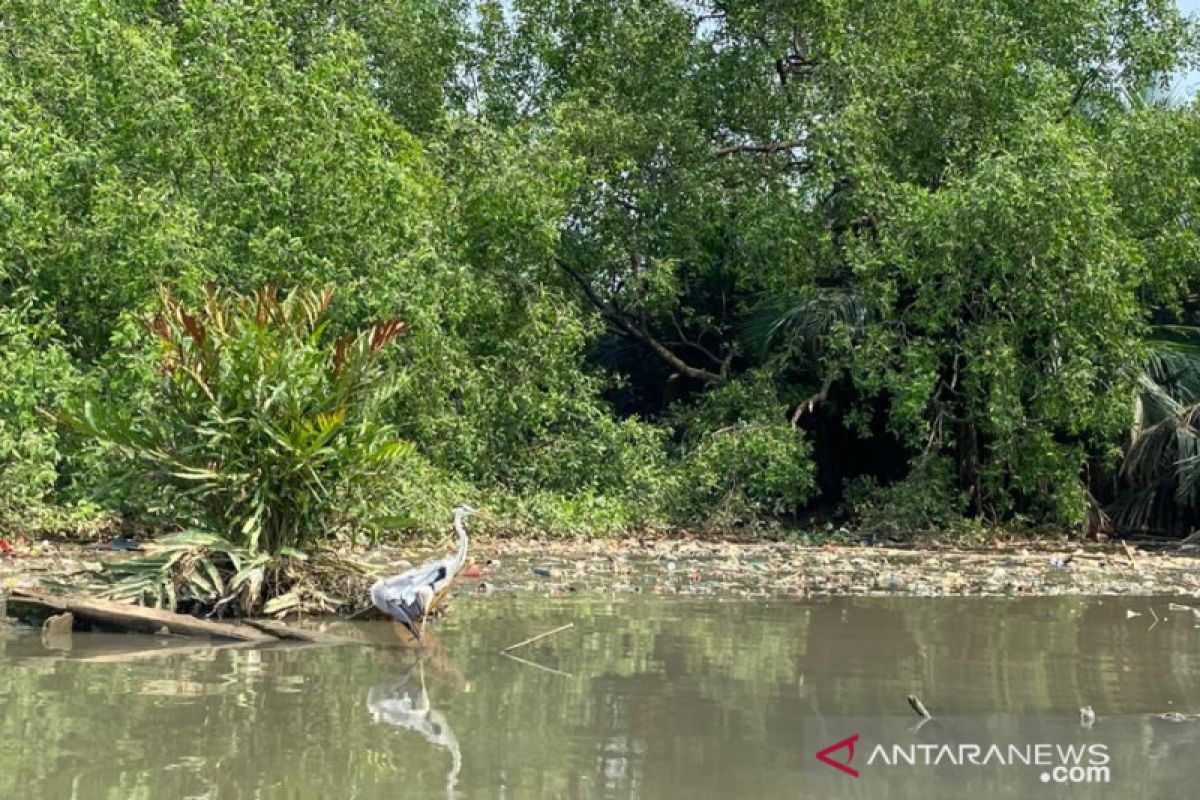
(1160, 470)
(925, 502)
(260, 427)
(201, 572)
(741, 461)
(260, 421)
(35, 373)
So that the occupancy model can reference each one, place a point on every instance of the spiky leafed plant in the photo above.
(188, 568)
(799, 328)
(259, 420)
(1161, 468)
(803, 321)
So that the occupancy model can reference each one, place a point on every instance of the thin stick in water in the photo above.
(532, 639)
(919, 707)
(535, 664)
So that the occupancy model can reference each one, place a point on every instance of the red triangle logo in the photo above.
(844, 766)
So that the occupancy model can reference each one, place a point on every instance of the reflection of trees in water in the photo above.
(646, 698)
(227, 722)
(404, 703)
(994, 655)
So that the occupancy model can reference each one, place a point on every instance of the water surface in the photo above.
(645, 697)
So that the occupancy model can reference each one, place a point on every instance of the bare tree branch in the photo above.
(768, 148)
(702, 18)
(635, 331)
(1080, 90)
(811, 403)
(695, 345)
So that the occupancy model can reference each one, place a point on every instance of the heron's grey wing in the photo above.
(397, 583)
(421, 576)
(407, 612)
(403, 586)
(430, 573)
(439, 574)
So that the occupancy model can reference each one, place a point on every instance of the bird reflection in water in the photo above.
(404, 703)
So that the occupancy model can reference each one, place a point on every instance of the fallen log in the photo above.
(35, 607)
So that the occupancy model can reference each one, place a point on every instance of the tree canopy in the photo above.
(661, 262)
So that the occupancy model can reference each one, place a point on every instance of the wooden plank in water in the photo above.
(122, 616)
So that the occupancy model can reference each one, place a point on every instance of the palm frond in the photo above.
(1174, 362)
(804, 320)
(1161, 467)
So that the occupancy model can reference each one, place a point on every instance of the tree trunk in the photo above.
(967, 441)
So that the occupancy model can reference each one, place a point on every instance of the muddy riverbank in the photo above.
(694, 566)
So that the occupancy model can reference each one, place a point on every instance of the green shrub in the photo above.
(35, 372)
(259, 424)
(925, 501)
(742, 459)
(747, 470)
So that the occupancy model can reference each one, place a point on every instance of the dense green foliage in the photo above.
(660, 262)
(34, 369)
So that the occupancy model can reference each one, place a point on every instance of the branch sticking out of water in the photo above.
(535, 664)
(919, 707)
(532, 639)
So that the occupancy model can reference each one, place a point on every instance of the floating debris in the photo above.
(781, 569)
(706, 567)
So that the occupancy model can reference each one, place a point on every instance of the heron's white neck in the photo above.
(460, 528)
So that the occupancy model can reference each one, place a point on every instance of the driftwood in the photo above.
(31, 606)
(79, 612)
(1129, 554)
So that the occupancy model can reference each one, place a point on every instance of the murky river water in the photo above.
(643, 697)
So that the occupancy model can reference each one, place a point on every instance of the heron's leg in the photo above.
(424, 691)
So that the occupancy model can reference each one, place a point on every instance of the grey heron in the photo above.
(410, 596)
